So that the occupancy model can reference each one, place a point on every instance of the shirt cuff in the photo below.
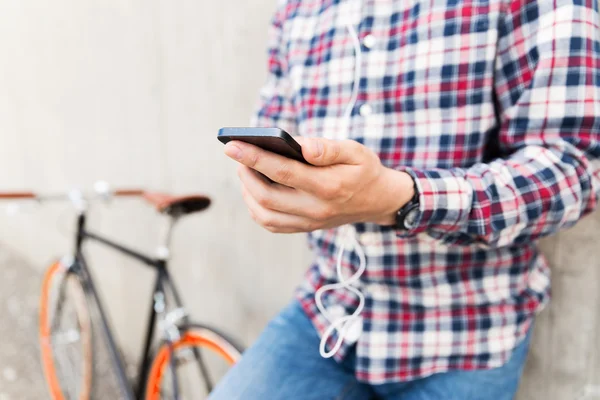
(445, 199)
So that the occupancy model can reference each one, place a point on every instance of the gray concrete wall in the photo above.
(133, 92)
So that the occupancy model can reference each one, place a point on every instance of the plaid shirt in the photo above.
(493, 106)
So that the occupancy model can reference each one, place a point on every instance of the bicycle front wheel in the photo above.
(65, 335)
(190, 367)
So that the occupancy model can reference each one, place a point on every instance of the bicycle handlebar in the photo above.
(128, 192)
(17, 195)
(67, 196)
(78, 198)
(163, 202)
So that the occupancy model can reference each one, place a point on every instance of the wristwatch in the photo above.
(407, 215)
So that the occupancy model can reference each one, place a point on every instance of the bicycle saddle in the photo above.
(177, 205)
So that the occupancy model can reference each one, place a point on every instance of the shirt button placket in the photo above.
(365, 110)
(369, 41)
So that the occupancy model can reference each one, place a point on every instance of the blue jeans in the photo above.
(284, 364)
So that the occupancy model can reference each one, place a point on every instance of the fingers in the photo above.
(323, 152)
(279, 169)
(275, 221)
(280, 198)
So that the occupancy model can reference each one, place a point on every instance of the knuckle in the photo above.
(374, 158)
(266, 221)
(263, 199)
(261, 220)
(333, 150)
(327, 194)
(332, 189)
(283, 173)
(327, 212)
(310, 226)
(271, 228)
(359, 149)
(313, 214)
(337, 187)
(336, 150)
(323, 213)
(253, 159)
(246, 197)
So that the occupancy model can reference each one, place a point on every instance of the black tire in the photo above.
(65, 335)
(203, 355)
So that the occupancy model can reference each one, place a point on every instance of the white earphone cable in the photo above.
(357, 72)
(344, 324)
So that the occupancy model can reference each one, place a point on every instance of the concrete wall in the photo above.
(133, 92)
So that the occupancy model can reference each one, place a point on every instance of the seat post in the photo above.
(163, 252)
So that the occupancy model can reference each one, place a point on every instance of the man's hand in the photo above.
(346, 183)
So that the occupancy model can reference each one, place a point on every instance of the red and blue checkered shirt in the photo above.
(493, 106)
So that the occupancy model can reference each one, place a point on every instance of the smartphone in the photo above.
(274, 140)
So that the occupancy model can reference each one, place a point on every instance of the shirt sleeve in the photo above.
(547, 83)
(275, 105)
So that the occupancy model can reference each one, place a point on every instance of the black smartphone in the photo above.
(271, 139)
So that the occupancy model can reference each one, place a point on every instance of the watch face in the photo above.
(411, 217)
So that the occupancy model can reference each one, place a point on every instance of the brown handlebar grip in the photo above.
(128, 192)
(17, 195)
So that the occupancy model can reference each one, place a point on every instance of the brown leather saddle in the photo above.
(177, 206)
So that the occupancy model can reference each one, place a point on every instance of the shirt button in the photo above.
(369, 41)
(365, 110)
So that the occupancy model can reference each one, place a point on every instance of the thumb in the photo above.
(322, 152)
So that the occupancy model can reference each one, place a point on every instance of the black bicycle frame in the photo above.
(162, 282)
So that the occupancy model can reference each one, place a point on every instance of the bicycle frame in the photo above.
(162, 282)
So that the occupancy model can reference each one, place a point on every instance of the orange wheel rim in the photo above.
(46, 342)
(187, 340)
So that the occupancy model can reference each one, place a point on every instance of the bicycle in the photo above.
(70, 306)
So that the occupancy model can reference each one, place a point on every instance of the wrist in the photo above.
(397, 190)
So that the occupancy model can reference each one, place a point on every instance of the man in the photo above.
(445, 137)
